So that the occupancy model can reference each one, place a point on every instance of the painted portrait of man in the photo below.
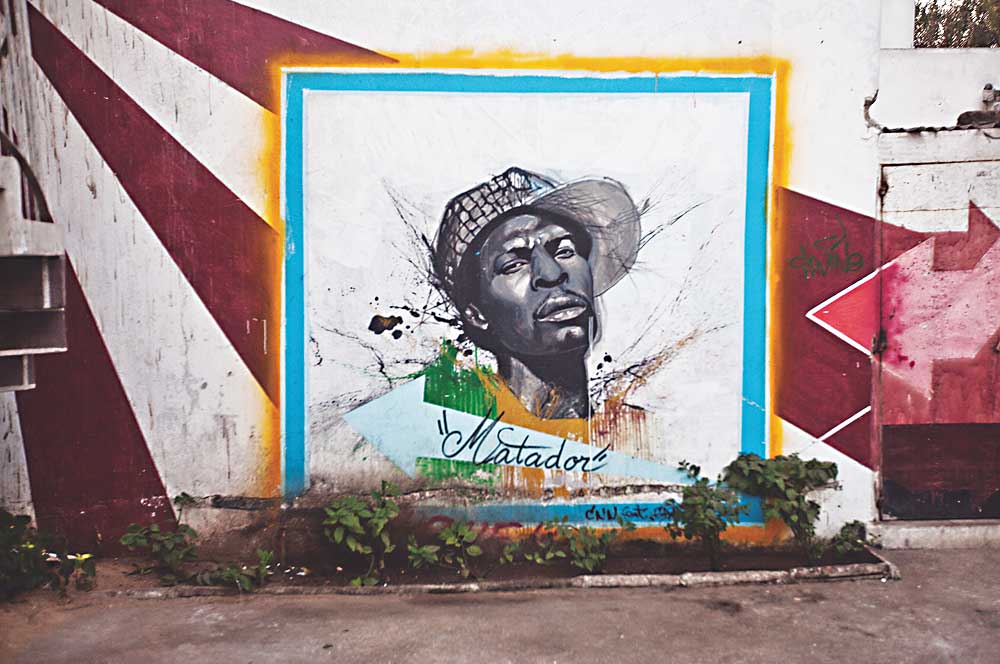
(489, 274)
(523, 259)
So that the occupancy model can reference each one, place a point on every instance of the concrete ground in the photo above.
(945, 609)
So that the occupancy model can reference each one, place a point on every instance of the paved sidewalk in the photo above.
(946, 609)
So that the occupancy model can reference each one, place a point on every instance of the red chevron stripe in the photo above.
(821, 381)
(89, 468)
(233, 42)
(230, 256)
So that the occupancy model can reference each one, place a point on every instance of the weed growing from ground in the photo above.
(784, 484)
(22, 559)
(456, 550)
(852, 538)
(421, 555)
(28, 562)
(458, 546)
(264, 558)
(361, 526)
(171, 549)
(586, 548)
(705, 512)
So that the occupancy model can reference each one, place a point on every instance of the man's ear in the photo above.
(471, 315)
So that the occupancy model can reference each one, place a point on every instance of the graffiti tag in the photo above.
(829, 254)
(628, 513)
(490, 444)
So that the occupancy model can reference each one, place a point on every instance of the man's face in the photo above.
(536, 294)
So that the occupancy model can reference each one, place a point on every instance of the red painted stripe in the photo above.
(230, 255)
(820, 380)
(89, 468)
(235, 43)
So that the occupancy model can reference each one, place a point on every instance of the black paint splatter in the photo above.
(380, 324)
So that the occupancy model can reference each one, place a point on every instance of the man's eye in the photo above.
(565, 252)
(512, 266)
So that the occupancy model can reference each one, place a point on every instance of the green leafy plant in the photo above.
(236, 576)
(361, 526)
(588, 547)
(242, 577)
(510, 552)
(78, 568)
(545, 547)
(22, 557)
(421, 555)
(852, 538)
(231, 575)
(585, 547)
(171, 549)
(26, 561)
(784, 484)
(458, 546)
(264, 558)
(704, 513)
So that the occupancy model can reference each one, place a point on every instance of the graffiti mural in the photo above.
(569, 295)
(538, 267)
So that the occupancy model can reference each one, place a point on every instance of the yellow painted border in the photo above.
(780, 69)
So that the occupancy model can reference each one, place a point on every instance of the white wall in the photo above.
(15, 492)
(897, 23)
(930, 87)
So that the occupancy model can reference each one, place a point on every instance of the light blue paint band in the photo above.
(294, 404)
(295, 411)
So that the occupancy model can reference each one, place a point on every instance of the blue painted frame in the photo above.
(753, 427)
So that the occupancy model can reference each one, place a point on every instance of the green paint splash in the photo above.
(439, 470)
(450, 385)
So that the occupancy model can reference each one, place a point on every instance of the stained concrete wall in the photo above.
(194, 368)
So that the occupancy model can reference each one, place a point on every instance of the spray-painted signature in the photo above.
(834, 255)
(487, 444)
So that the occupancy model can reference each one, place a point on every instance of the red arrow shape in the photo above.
(934, 314)
(963, 250)
(940, 300)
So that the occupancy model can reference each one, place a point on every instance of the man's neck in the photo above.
(550, 387)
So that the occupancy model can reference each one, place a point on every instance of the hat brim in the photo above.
(608, 214)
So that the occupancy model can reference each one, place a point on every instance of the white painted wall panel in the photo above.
(932, 87)
(936, 197)
(15, 491)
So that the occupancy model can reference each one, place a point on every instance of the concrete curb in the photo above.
(884, 570)
(952, 534)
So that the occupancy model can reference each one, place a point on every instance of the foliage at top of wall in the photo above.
(957, 24)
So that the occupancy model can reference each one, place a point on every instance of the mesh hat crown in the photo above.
(601, 207)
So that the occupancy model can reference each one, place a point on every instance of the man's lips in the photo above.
(561, 308)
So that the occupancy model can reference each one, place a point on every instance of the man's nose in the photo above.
(546, 272)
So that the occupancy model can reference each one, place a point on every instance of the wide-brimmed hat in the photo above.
(601, 207)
